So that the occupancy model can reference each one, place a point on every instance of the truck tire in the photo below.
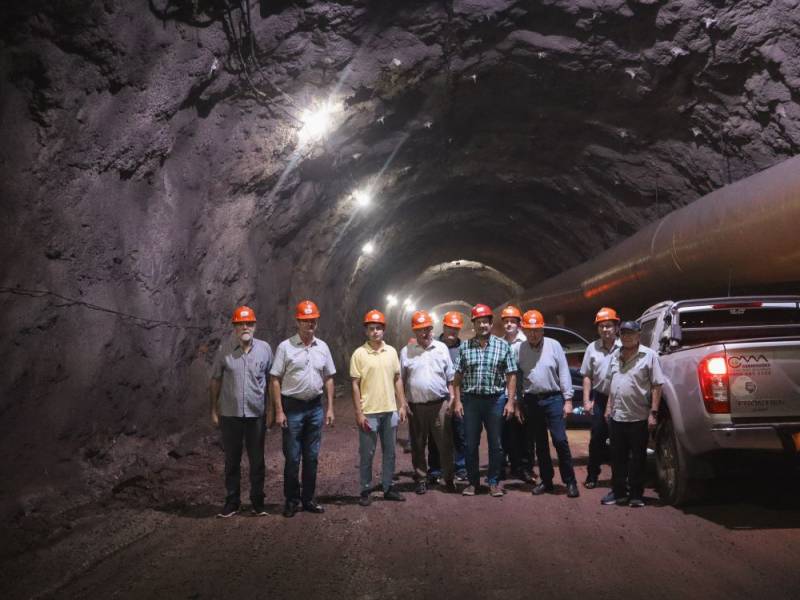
(672, 467)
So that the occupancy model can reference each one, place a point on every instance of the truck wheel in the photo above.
(672, 466)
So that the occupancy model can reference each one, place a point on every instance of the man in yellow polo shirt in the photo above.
(378, 402)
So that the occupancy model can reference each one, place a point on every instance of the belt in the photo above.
(434, 401)
(495, 395)
(296, 401)
(542, 395)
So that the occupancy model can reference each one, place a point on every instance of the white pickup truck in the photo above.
(732, 368)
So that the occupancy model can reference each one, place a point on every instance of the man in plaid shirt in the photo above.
(486, 367)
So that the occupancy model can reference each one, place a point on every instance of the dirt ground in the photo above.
(157, 537)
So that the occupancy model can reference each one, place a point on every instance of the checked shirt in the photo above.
(483, 370)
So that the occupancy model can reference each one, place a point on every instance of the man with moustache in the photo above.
(547, 401)
(237, 392)
(379, 403)
(486, 368)
(427, 374)
(595, 392)
(300, 376)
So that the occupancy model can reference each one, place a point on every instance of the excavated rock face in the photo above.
(153, 175)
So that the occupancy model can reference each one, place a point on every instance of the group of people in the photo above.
(517, 388)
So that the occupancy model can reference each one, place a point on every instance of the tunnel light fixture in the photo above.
(435, 317)
(317, 122)
(391, 300)
(368, 248)
(363, 197)
(407, 302)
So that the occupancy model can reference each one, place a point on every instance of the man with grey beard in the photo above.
(237, 393)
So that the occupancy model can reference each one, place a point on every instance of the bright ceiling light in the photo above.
(434, 317)
(317, 122)
(368, 248)
(390, 301)
(363, 198)
(407, 301)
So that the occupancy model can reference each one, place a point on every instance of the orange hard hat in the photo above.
(244, 314)
(453, 319)
(511, 312)
(481, 310)
(421, 319)
(532, 319)
(306, 310)
(606, 314)
(374, 316)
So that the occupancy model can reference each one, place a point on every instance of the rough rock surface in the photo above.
(152, 179)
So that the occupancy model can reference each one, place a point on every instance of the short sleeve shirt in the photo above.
(426, 371)
(483, 370)
(376, 371)
(244, 379)
(302, 369)
(595, 363)
(631, 382)
(544, 368)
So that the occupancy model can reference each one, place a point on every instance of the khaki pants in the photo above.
(430, 420)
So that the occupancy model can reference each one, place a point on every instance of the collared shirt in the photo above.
(544, 368)
(483, 370)
(517, 341)
(375, 370)
(426, 371)
(302, 369)
(454, 350)
(631, 382)
(595, 363)
(244, 379)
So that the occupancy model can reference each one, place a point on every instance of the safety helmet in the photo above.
(481, 310)
(421, 319)
(306, 310)
(453, 319)
(511, 312)
(606, 314)
(374, 316)
(532, 319)
(244, 314)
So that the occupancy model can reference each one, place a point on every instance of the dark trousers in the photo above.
(598, 451)
(543, 414)
(517, 446)
(250, 433)
(628, 457)
(483, 411)
(302, 437)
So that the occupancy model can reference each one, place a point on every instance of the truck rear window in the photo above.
(739, 317)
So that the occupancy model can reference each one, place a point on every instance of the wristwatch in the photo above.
(654, 413)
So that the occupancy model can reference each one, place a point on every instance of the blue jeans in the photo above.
(543, 414)
(301, 439)
(486, 411)
(598, 451)
(383, 425)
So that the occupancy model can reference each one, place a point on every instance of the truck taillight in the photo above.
(713, 373)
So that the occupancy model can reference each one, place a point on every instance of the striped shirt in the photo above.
(483, 370)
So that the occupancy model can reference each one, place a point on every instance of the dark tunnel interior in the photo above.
(164, 162)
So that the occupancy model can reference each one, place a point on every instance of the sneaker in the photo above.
(421, 488)
(542, 488)
(610, 499)
(468, 491)
(461, 476)
(495, 491)
(393, 495)
(365, 499)
(636, 503)
(228, 510)
(259, 510)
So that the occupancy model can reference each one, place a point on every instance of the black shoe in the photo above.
(542, 488)
(590, 484)
(365, 499)
(461, 476)
(450, 487)
(313, 507)
(421, 488)
(526, 476)
(572, 490)
(636, 503)
(392, 495)
(433, 480)
(259, 510)
(228, 510)
(610, 499)
(290, 510)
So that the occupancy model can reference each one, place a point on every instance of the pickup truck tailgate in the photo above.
(764, 379)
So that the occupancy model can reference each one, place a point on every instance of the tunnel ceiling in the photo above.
(153, 177)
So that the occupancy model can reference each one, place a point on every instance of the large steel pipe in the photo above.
(742, 236)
